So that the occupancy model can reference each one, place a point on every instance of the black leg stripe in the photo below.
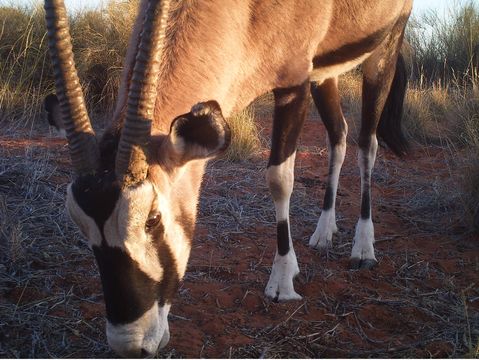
(365, 203)
(328, 198)
(283, 237)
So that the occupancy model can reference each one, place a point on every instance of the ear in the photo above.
(200, 134)
(52, 109)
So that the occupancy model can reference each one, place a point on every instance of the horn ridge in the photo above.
(80, 134)
(131, 160)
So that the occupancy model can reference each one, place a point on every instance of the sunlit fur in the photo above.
(231, 51)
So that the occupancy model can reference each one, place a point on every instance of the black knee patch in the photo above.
(328, 198)
(366, 204)
(283, 237)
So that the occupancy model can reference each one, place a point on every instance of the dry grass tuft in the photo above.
(442, 114)
(245, 136)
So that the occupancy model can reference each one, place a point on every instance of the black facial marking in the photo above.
(128, 291)
(171, 279)
(108, 149)
(283, 237)
(97, 196)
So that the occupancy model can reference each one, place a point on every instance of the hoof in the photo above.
(280, 285)
(281, 296)
(360, 264)
(293, 296)
(321, 246)
(322, 239)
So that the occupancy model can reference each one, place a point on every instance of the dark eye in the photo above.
(152, 221)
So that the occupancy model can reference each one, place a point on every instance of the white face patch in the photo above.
(149, 332)
(126, 228)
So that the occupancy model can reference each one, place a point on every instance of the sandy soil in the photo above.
(421, 301)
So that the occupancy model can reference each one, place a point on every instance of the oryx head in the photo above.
(135, 195)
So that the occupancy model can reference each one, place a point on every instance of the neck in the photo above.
(202, 61)
(212, 52)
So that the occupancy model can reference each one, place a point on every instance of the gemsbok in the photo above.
(189, 64)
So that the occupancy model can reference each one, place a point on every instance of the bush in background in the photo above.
(446, 47)
(443, 102)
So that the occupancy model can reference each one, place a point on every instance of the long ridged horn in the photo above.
(131, 159)
(80, 134)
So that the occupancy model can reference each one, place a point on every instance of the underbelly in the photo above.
(322, 73)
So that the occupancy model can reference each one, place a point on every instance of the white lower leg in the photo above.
(363, 246)
(280, 285)
(326, 227)
(285, 266)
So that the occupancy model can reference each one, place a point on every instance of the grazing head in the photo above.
(135, 195)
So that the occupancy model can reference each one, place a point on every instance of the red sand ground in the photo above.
(412, 304)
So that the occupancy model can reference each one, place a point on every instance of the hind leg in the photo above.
(378, 74)
(327, 100)
(289, 115)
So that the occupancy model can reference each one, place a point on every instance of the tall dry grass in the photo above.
(100, 39)
(443, 101)
(245, 139)
(446, 46)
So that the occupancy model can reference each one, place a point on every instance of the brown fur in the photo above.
(235, 50)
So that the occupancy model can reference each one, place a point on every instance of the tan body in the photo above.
(236, 50)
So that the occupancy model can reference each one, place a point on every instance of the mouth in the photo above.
(165, 339)
(142, 338)
(148, 348)
(151, 345)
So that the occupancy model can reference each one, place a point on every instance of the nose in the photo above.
(143, 337)
(128, 346)
(133, 352)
